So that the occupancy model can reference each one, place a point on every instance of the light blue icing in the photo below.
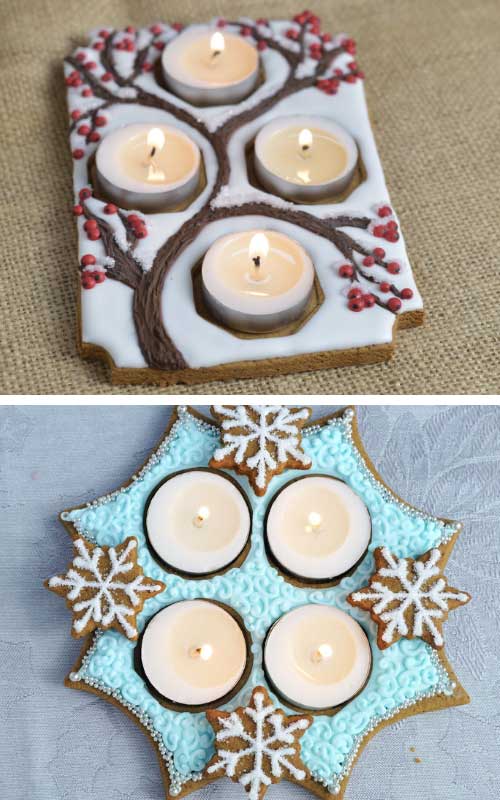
(401, 674)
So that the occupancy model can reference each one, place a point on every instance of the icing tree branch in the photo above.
(311, 57)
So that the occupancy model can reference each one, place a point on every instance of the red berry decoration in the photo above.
(85, 193)
(104, 34)
(391, 236)
(368, 261)
(292, 34)
(357, 304)
(147, 67)
(110, 208)
(133, 219)
(90, 225)
(159, 45)
(221, 23)
(406, 294)
(130, 29)
(384, 211)
(379, 252)
(99, 276)
(379, 231)
(87, 92)
(392, 225)
(177, 26)
(78, 153)
(385, 287)
(80, 57)
(262, 45)
(99, 46)
(90, 65)
(88, 280)
(354, 293)
(393, 267)
(83, 130)
(369, 300)
(326, 37)
(93, 234)
(246, 31)
(76, 114)
(346, 271)
(156, 29)
(88, 260)
(95, 136)
(141, 232)
(77, 210)
(106, 76)
(394, 304)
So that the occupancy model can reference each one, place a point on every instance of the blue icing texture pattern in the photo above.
(400, 676)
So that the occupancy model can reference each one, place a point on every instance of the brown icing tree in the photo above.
(301, 43)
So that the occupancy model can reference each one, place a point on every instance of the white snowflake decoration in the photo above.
(261, 438)
(102, 606)
(259, 746)
(420, 588)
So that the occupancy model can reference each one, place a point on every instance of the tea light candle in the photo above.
(210, 68)
(318, 528)
(304, 158)
(197, 521)
(256, 281)
(317, 657)
(193, 652)
(149, 168)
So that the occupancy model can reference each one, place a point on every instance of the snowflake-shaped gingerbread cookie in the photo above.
(261, 441)
(408, 597)
(257, 745)
(105, 587)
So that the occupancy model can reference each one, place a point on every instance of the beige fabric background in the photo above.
(433, 85)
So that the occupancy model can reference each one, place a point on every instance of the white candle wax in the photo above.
(304, 158)
(318, 528)
(210, 68)
(317, 657)
(197, 521)
(193, 652)
(148, 167)
(257, 280)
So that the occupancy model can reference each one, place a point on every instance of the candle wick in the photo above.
(153, 151)
(256, 261)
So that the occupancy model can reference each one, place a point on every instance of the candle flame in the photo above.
(323, 653)
(205, 651)
(314, 519)
(202, 514)
(155, 139)
(305, 139)
(217, 43)
(259, 246)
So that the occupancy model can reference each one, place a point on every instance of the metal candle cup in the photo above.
(256, 290)
(210, 68)
(304, 158)
(148, 167)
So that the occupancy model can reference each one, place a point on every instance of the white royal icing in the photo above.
(280, 430)
(275, 748)
(104, 585)
(428, 603)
